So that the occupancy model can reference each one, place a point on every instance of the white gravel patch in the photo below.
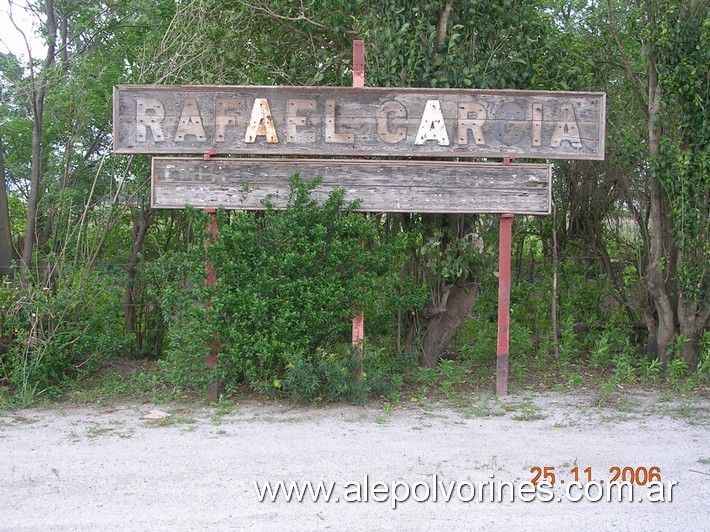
(106, 468)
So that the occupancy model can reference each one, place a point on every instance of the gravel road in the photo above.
(103, 468)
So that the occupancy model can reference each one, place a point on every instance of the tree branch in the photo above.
(275, 15)
(443, 24)
(635, 82)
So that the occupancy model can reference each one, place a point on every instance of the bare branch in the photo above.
(275, 15)
(22, 33)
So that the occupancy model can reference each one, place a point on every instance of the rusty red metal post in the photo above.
(358, 81)
(358, 63)
(210, 273)
(504, 254)
(211, 281)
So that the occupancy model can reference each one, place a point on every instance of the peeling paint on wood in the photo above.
(381, 186)
(345, 121)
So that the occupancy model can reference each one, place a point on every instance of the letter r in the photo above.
(149, 114)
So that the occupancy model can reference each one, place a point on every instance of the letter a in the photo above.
(566, 128)
(261, 123)
(432, 126)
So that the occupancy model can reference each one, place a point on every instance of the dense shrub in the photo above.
(289, 283)
(52, 334)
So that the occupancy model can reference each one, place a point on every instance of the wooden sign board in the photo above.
(344, 121)
(382, 186)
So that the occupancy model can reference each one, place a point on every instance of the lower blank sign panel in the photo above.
(380, 185)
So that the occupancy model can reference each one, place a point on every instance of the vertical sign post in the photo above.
(359, 320)
(504, 254)
(211, 282)
(210, 273)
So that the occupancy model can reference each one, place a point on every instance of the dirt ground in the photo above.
(107, 468)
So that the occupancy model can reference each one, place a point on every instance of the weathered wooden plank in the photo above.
(325, 121)
(382, 186)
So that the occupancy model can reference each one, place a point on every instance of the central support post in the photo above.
(504, 254)
(359, 320)
(211, 282)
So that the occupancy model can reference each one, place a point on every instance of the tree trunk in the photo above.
(658, 260)
(692, 324)
(38, 93)
(689, 351)
(649, 320)
(443, 25)
(656, 274)
(443, 320)
(662, 256)
(6, 249)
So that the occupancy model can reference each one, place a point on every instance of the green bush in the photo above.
(58, 333)
(177, 288)
(289, 283)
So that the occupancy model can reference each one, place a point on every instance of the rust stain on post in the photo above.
(210, 273)
(359, 321)
(358, 63)
(506, 226)
(213, 389)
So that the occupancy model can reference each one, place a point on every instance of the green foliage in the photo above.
(513, 48)
(602, 352)
(56, 334)
(328, 376)
(452, 374)
(575, 381)
(624, 369)
(290, 281)
(178, 288)
(649, 370)
(683, 165)
(426, 376)
(288, 285)
(446, 258)
(448, 375)
(480, 339)
(113, 385)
